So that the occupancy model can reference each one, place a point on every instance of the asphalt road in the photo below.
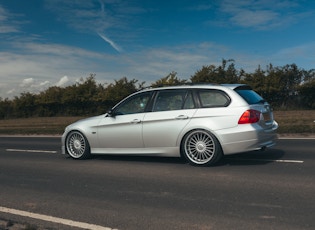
(274, 189)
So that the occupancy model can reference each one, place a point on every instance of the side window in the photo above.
(213, 98)
(134, 104)
(173, 100)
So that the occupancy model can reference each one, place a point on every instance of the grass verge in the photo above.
(296, 121)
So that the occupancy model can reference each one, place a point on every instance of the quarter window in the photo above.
(213, 98)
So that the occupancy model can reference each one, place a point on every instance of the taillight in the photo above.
(249, 117)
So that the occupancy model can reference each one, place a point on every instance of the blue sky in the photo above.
(47, 43)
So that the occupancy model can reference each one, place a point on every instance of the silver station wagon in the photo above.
(198, 122)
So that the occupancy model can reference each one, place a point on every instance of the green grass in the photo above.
(290, 122)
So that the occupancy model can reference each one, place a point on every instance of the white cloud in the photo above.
(40, 64)
(11, 91)
(44, 84)
(259, 14)
(34, 67)
(27, 82)
(304, 54)
(151, 65)
(201, 7)
(7, 25)
(249, 18)
(105, 18)
(43, 63)
(31, 85)
(113, 44)
(54, 49)
(63, 81)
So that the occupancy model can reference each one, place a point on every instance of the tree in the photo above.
(282, 84)
(256, 80)
(5, 108)
(121, 88)
(283, 87)
(169, 80)
(306, 88)
(81, 98)
(24, 105)
(307, 94)
(222, 74)
(48, 103)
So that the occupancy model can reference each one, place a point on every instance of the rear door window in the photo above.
(173, 100)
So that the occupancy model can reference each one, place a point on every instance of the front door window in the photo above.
(135, 104)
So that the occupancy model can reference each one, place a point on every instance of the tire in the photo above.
(201, 147)
(77, 145)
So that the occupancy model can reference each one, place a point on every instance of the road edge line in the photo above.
(53, 219)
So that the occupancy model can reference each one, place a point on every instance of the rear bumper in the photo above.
(244, 138)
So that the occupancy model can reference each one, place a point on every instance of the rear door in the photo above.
(171, 112)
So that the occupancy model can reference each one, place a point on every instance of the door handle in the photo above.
(181, 117)
(135, 121)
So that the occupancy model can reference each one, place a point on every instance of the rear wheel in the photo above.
(201, 147)
(77, 145)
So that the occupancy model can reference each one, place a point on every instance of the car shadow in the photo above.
(248, 158)
(253, 158)
(136, 158)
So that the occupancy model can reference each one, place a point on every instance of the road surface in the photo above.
(274, 189)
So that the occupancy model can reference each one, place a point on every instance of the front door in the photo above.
(123, 129)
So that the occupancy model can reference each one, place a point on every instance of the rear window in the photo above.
(250, 96)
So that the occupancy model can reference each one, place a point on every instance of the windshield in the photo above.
(250, 96)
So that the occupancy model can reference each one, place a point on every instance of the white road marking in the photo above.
(289, 161)
(296, 138)
(53, 219)
(268, 160)
(30, 151)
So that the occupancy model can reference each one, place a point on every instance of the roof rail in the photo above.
(181, 84)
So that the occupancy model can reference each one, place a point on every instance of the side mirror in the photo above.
(111, 113)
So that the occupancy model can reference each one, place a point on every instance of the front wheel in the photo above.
(200, 147)
(77, 145)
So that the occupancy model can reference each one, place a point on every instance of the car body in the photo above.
(199, 122)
